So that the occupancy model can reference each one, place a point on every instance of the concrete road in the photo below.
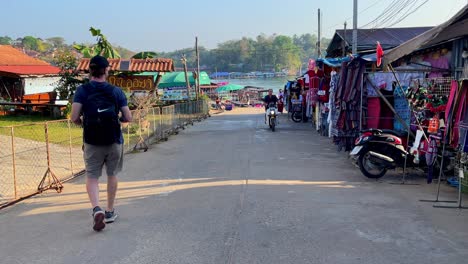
(230, 191)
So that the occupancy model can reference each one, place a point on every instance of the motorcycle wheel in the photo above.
(369, 169)
(296, 116)
(272, 124)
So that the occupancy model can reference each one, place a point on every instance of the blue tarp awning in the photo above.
(334, 62)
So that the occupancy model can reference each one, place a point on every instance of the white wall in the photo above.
(40, 85)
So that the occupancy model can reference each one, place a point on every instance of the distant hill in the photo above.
(263, 53)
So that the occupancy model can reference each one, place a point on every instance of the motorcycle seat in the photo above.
(400, 134)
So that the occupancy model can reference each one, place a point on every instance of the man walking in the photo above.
(100, 104)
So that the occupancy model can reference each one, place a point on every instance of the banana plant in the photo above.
(103, 47)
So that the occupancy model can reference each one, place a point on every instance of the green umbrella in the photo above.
(177, 79)
(229, 88)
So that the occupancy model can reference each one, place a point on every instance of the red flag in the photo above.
(380, 54)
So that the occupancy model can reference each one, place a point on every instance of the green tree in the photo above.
(145, 55)
(5, 40)
(56, 42)
(30, 43)
(67, 62)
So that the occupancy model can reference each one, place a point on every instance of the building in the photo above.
(134, 74)
(23, 76)
(367, 39)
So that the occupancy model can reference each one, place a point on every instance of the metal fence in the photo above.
(40, 156)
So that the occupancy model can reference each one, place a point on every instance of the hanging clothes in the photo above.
(401, 106)
(347, 104)
(459, 110)
(449, 110)
(373, 112)
(331, 101)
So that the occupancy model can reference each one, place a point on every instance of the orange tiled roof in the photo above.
(14, 57)
(30, 69)
(134, 65)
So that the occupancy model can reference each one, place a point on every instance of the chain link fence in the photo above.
(36, 157)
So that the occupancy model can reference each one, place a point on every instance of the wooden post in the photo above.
(184, 62)
(198, 67)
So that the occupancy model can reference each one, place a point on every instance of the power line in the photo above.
(360, 12)
(395, 12)
(416, 9)
(395, 15)
(389, 11)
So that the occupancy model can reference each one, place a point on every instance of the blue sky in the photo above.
(168, 25)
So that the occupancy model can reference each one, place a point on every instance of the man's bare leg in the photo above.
(112, 184)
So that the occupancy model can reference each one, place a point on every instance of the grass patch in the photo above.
(12, 120)
(33, 128)
(58, 132)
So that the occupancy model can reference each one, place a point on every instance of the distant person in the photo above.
(218, 103)
(280, 101)
(280, 94)
(100, 104)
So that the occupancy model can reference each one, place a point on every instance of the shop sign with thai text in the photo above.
(132, 83)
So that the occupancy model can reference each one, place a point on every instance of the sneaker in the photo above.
(98, 217)
(110, 217)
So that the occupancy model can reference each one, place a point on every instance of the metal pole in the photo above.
(14, 161)
(46, 127)
(406, 156)
(355, 18)
(440, 172)
(362, 98)
(344, 41)
(319, 36)
(70, 146)
(184, 62)
(198, 66)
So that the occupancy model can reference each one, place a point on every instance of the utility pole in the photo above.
(319, 53)
(355, 14)
(344, 41)
(198, 67)
(184, 62)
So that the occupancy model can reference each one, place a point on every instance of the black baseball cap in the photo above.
(98, 62)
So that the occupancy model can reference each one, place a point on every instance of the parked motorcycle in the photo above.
(272, 113)
(296, 114)
(378, 150)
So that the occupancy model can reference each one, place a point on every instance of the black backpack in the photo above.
(101, 124)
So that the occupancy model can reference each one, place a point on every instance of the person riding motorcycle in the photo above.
(270, 98)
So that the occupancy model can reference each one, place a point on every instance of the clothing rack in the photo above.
(461, 167)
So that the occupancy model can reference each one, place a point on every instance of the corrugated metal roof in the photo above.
(367, 38)
(455, 27)
(29, 69)
(134, 65)
(12, 56)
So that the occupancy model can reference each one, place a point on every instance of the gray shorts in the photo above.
(96, 157)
